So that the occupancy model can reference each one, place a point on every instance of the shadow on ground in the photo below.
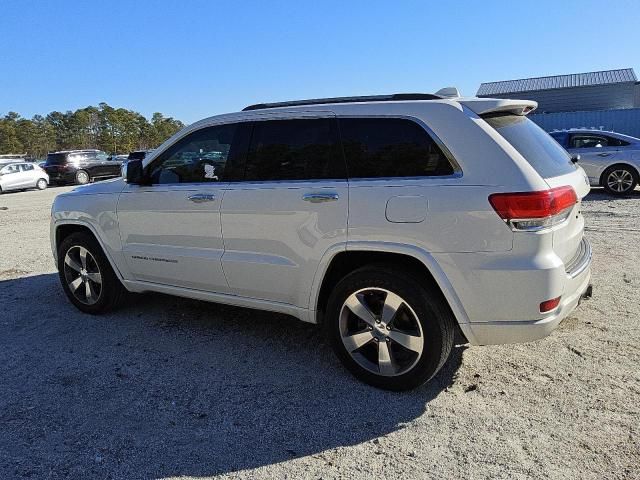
(169, 386)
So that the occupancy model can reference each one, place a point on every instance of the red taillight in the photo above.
(549, 305)
(545, 203)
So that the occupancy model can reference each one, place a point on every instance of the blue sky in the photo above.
(193, 59)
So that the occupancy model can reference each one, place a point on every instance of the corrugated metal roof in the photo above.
(558, 81)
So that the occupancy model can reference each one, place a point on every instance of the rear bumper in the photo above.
(62, 177)
(496, 333)
(501, 298)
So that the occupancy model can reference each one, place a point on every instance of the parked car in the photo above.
(394, 221)
(611, 160)
(23, 175)
(80, 166)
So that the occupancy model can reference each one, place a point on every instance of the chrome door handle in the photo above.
(202, 197)
(603, 154)
(320, 197)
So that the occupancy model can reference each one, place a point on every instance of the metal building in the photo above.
(609, 100)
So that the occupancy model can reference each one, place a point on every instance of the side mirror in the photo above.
(575, 158)
(132, 172)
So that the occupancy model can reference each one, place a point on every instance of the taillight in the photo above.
(532, 211)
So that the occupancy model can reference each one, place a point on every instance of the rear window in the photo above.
(56, 159)
(544, 154)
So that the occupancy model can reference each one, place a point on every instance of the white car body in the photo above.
(259, 245)
(20, 176)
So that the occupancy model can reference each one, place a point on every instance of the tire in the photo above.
(422, 322)
(82, 177)
(105, 291)
(41, 184)
(619, 179)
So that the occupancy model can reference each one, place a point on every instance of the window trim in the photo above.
(457, 170)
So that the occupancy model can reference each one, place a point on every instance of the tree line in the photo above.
(114, 130)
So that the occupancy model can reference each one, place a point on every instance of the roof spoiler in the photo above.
(484, 106)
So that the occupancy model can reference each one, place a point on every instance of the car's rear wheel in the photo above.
(41, 184)
(619, 180)
(86, 275)
(388, 328)
(82, 177)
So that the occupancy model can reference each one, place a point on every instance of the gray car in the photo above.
(611, 160)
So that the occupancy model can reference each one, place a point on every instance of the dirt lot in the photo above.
(169, 387)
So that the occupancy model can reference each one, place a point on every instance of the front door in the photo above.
(170, 228)
(289, 209)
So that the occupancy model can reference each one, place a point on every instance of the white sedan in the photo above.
(23, 175)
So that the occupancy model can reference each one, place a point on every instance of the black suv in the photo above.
(80, 166)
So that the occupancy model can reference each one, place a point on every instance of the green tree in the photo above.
(114, 130)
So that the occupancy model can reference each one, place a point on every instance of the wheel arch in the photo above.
(631, 166)
(62, 230)
(344, 261)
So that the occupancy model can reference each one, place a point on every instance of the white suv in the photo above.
(392, 220)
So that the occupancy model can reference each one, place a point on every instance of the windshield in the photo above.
(542, 152)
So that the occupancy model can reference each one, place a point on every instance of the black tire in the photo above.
(111, 292)
(436, 321)
(622, 172)
(41, 184)
(82, 177)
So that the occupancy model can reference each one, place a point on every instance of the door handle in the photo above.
(202, 197)
(320, 197)
(603, 154)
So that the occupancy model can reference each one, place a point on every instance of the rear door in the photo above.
(290, 207)
(30, 175)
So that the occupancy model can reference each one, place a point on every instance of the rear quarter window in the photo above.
(538, 148)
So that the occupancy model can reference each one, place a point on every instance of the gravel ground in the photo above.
(168, 387)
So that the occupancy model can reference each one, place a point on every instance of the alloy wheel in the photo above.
(381, 331)
(620, 180)
(82, 275)
(82, 178)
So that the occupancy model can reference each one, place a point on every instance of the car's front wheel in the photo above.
(41, 184)
(86, 275)
(619, 180)
(388, 328)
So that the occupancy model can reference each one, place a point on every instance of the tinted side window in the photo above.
(390, 147)
(616, 142)
(26, 167)
(201, 156)
(294, 150)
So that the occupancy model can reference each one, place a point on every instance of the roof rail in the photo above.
(369, 98)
